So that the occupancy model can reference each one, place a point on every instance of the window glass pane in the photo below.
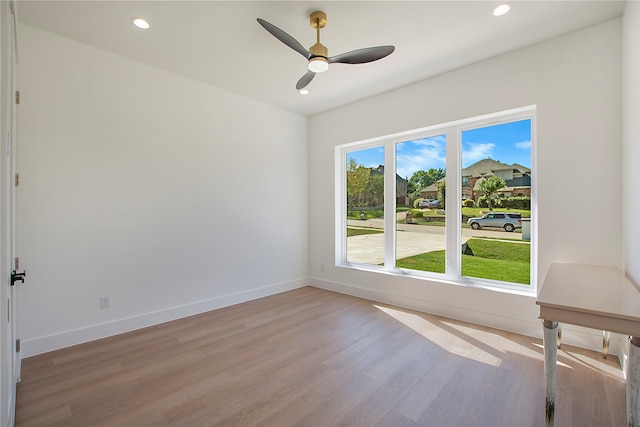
(365, 206)
(420, 204)
(496, 202)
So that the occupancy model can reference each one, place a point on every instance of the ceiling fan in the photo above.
(318, 56)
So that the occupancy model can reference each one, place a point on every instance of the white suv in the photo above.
(508, 221)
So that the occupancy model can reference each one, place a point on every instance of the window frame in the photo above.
(453, 134)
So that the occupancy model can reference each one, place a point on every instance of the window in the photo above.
(449, 189)
(498, 159)
(365, 206)
(420, 237)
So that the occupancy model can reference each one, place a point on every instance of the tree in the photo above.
(421, 179)
(357, 181)
(442, 193)
(375, 190)
(488, 186)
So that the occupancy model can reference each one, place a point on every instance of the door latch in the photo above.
(17, 277)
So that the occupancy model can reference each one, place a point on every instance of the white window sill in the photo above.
(504, 287)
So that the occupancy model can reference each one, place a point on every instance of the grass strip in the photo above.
(360, 231)
(493, 260)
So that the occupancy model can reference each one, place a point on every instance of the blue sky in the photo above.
(507, 142)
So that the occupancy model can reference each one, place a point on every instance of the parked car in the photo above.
(508, 221)
(429, 203)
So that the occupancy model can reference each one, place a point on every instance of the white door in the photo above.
(9, 356)
(14, 127)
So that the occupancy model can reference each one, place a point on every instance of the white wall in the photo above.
(631, 139)
(169, 196)
(575, 82)
(631, 146)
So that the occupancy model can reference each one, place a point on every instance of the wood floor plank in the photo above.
(310, 357)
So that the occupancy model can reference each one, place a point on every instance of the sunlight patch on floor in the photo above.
(558, 363)
(444, 339)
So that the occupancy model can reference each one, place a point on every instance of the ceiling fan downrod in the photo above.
(318, 20)
(318, 62)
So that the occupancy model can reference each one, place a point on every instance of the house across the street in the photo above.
(516, 177)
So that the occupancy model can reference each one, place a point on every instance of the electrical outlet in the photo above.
(105, 302)
(321, 267)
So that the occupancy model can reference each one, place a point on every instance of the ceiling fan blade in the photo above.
(285, 38)
(360, 56)
(305, 80)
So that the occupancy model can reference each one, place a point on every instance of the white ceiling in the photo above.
(221, 44)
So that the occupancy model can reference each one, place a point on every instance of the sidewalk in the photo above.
(412, 239)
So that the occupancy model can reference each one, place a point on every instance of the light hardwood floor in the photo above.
(310, 357)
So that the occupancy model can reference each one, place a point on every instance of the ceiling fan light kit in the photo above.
(318, 64)
(317, 56)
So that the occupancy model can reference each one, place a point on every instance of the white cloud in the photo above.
(524, 145)
(422, 154)
(475, 151)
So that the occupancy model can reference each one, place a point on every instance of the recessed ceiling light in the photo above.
(141, 23)
(304, 92)
(503, 9)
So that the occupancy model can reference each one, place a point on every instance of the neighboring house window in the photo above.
(465, 163)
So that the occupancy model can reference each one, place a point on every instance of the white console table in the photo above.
(595, 297)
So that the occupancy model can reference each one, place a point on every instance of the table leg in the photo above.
(633, 383)
(550, 342)
(559, 336)
(606, 339)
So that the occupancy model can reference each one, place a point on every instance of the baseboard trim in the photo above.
(572, 335)
(94, 332)
(532, 327)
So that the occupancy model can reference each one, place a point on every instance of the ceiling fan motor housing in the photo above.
(319, 49)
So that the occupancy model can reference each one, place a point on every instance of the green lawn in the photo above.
(491, 259)
(498, 250)
(368, 214)
(430, 261)
(359, 231)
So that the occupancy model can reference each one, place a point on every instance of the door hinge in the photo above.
(17, 97)
(18, 345)
(16, 263)
(17, 180)
(8, 310)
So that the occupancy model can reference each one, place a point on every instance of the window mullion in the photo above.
(341, 208)
(453, 199)
(389, 206)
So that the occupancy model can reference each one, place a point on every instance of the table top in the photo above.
(592, 296)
